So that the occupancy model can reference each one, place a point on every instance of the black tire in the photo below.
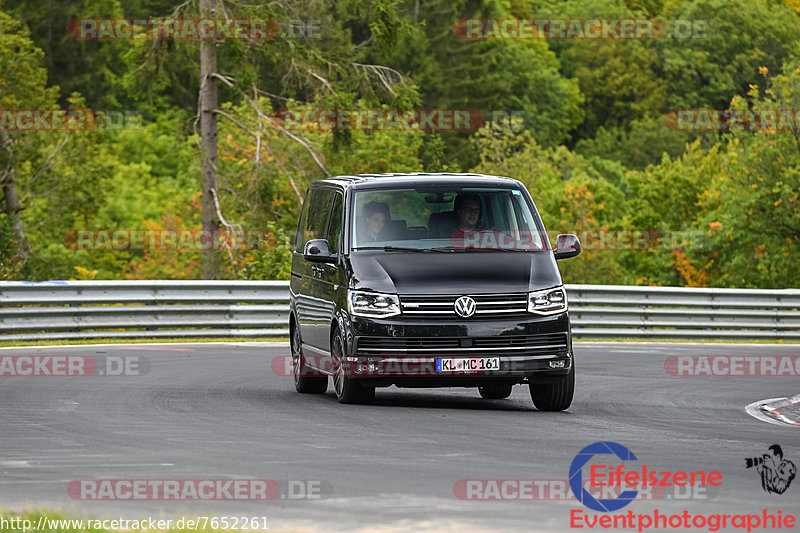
(347, 389)
(306, 380)
(556, 395)
(495, 392)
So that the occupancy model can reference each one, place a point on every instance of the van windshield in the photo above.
(445, 219)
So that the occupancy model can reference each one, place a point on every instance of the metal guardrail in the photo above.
(613, 311)
(136, 309)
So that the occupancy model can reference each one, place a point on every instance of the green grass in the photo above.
(15, 523)
(141, 340)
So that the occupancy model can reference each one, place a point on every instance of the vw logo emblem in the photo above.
(465, 306)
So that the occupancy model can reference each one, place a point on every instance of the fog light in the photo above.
(561, 363)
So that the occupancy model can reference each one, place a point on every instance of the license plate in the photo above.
(469, 364)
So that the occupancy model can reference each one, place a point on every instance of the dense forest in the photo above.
(675, 157)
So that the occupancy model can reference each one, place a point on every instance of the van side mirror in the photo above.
(567, 245)
(317, 251)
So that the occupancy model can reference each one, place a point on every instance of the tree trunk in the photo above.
(11, 204)
(208, 133)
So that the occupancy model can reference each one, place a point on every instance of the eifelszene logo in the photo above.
(776, 472)
(604, 505)
(619, 483)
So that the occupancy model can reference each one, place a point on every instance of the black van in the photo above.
(428, 280)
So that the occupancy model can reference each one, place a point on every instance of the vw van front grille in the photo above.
(487, 306)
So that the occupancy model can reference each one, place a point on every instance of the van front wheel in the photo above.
(348, 390)
(556, 395)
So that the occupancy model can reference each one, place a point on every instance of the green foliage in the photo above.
(588, 137)
(751, 207)
(619, 79)
(92, 68)
(641, 143)
(273, 259)
(485, 75)
(11, 265)
(741, 36)
(573, 195)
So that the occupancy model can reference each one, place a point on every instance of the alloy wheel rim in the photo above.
(338, 378)
(296, 356)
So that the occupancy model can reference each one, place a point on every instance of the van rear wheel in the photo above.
(556, 395)
(495, 392)
(348, 390)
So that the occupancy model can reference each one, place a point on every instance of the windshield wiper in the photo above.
(392, 248)
(476, 249)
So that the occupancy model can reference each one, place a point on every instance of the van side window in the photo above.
(315, 216)
(301, 224)
(335, 224)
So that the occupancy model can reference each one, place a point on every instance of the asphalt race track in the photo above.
(219, 411)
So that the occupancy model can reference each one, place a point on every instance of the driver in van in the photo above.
(375, 215)
(468, 209)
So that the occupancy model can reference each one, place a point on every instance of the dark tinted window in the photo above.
(315, 216)
(301, 224)
(335, 226)
(433, 217)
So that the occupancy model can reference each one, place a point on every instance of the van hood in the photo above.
(453, 272)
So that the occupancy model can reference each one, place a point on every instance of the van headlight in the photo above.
(547, 302)
(372, 304)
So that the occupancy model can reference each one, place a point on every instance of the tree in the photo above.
(641, 143)
(751, 208)
(572, 194)
(93, 68)
(708, 70)
(505, 76)
(618, 80)
(329, 72)
(23, 85)
(207, 106)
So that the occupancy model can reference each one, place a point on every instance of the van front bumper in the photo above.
(408, 353)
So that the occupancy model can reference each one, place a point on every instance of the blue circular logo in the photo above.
(576, 476)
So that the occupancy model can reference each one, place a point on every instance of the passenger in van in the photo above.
(375, 215)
